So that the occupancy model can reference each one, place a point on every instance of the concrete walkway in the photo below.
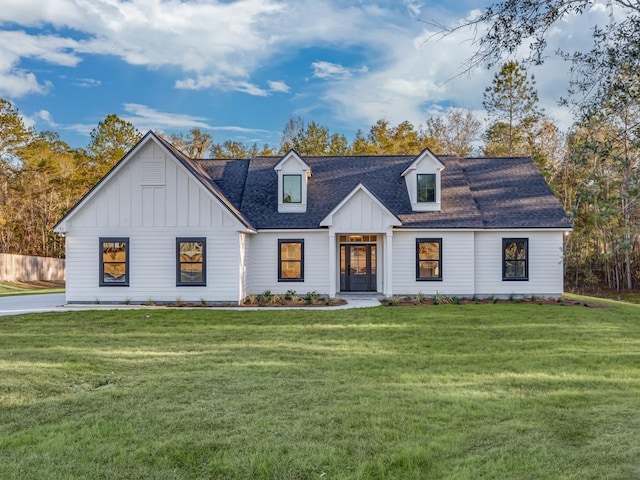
(17, 304)
(55, 302)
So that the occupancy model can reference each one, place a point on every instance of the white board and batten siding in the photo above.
(361, 214)
(457, 264)
(544, 263)
(152, 200)
(263, 262)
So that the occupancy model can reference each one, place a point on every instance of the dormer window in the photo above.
(424, 178)
(293, 181)
(292, 189)
(426, 187)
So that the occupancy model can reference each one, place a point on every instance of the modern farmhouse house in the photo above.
(160, 226)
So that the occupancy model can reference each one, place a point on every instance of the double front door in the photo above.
(358, 268)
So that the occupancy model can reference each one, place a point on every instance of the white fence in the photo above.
(24, 268)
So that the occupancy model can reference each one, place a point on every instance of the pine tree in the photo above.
(511, 101)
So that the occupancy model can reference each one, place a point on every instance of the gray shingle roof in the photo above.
(477, 193)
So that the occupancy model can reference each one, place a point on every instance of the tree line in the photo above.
(593, 168)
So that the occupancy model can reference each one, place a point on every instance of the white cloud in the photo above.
(202, 82)
(147, 118)
(86, 82)
(278, 86)
(414, 7)
(221, 44)
(46, 117)
(328, 70)
(16, 83)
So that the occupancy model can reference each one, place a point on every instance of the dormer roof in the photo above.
(292, 155)
(425, 154)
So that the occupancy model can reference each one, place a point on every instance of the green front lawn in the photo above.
(30, 288)
(501, 391)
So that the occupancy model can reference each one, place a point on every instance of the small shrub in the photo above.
(203, 302)
(311, 298)
(150, 303)
(393, 301)
(455, 301)
(440, 298)
(326, 300)
(127, 301)
(417, 300)
(494, 300)
(290, 295)
(252, 299)
(275, 300)
(179, 302)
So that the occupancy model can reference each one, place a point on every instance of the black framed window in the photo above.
(191, 262)
(426, 187)
(429, 259)
(292, 189)
(291, 260)
(515, 259)
(114, 262)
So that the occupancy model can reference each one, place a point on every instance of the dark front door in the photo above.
(358, 268)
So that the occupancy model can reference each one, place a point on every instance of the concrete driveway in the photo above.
(17, 304)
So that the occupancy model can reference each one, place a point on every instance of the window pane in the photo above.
(428, 262)
(291, 251)
(374, 260)
(515, 268)
(114, 252)
(426, 187)
(515, 251)
(191, 251)
(429, 250)
(114, 263)
(292, 189)
(191, 272)
(191, 262)
(515, 258)
(291, 269)
(115, 272)
(290, 258)
(429, 269)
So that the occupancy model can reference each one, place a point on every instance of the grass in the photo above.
(451, 391)
(30, 288)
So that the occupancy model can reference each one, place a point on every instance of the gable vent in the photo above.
(152, 173)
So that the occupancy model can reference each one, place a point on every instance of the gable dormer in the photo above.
(423, 180)
(293, 176)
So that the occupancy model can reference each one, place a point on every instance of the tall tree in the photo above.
(13, 133)
(13, 136)
(48, 183)
(195, 144)
(455, 132)
(511, 24)
(311, 139)
(511, 101)
(110, 141)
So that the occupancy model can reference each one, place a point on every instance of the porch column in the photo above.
(332, 263)
(388, 263)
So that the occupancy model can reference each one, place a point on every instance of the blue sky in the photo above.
(240, 69)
